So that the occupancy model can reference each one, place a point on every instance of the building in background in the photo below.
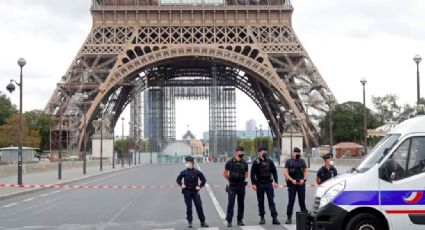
(250, 125)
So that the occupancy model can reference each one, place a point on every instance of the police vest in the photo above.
(326, 174)
(296, 169)
(191, 179)
(237, 171)
(264, 174)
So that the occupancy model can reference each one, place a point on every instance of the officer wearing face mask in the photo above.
(263, 173)
(190, 190)
(236, 171)
(296, 174)
(327, 171)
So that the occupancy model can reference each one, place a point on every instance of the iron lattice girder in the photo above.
(118, 48)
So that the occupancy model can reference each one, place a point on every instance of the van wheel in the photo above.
(365, 221)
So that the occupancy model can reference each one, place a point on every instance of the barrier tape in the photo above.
(115, 186)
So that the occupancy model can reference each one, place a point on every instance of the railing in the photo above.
(122, 4)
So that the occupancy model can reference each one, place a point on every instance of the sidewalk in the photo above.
(51, 178)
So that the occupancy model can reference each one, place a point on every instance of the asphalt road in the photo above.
(149, 208)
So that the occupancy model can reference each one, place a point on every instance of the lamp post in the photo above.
(331, 135)
(417, 59)
(261, 135)
(363, 81)
(113, 141)
(102, 106)
(308, 140)
(256, 130)
(11, 87)
(278, 138)
(122, 139)
(85, 97)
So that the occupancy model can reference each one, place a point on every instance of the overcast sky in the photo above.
(347, 40)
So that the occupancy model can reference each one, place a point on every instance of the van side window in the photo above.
(399, 161)
(416, 161)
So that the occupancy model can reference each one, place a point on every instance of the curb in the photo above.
(15, 194)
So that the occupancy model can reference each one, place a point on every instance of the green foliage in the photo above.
(121, 146)
(40, 121)
(9, 134)
(347, 120)
(387, 109)
(251, 145)
(6, 108)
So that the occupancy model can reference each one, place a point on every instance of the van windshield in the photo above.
(377, 153)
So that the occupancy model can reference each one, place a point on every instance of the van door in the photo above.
(402, 185)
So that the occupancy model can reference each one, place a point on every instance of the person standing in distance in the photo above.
(263, 172)
(236, 171)
(327, 171)
(296, 174)
(190, 190)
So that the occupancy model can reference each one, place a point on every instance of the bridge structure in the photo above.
(167, 49)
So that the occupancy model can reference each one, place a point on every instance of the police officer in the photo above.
(262, 171)
(190, 190)
(327, 171)
(296, 174)
(236, 171)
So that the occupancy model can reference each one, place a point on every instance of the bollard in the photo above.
(302, 221)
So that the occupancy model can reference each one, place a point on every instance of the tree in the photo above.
(121, 146)
(386, 108)
(9, 134)
(6, 108)
(347, 120)
(40, 121)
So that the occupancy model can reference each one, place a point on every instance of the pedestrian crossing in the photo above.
(251, 227)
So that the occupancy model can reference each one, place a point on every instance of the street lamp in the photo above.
(261, 135)
(363, 81)
(101, 106)
(113, 141)
(331, 139)
(85, 97)
(417, 59)
(308, 140)
(122, 139)
(11, 87)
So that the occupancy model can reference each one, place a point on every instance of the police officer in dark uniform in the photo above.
(236, 171)
(262, 171)
(296, 174)
(327, 171)
(190, 190)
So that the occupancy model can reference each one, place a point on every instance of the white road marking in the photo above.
(290, 226)
(212, 228)
(44, 195)
(214, 200)
(57, 191)
(251, 227)
(10, 205)
(124, 208)
(29, 199)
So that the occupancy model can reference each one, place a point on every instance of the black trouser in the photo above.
(189, 195)
(292, 192)
(268, 189)
(233, 192)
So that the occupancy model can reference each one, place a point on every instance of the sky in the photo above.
(347, 40)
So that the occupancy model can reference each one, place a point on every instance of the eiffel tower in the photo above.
(250, 44)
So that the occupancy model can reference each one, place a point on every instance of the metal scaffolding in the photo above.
(159, 109)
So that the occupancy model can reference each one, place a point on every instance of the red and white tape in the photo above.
(113, 186)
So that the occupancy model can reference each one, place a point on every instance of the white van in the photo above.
(385, 191)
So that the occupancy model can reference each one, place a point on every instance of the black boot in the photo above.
(276, 221)
(262, 220)
(204, 225)
(229, 224)
(241, 223)
(189, 224)
(289, 220)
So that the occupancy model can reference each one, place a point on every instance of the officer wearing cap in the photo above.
(236, 171)
(190, 190)
(296, 174)
(327, 171)
(263, 173)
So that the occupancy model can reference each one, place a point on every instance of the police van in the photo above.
(385, 191)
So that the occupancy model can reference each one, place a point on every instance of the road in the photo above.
(149, 208)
